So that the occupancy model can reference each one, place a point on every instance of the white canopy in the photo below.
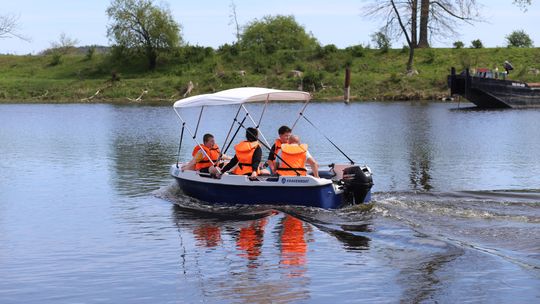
(241, 95)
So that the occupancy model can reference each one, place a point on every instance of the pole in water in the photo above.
(347, 88)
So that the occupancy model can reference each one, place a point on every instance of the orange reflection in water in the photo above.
(207, 235)
(250, 239)
(293, 243)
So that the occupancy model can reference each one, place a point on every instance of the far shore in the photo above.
(374, 75)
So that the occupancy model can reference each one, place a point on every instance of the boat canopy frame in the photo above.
(242, 96)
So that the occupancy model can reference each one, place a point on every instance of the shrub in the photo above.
(356, 51)
(394, 78)
(90, 52)
(476, 44)
(458, 45)
(405, 49)
(56, 59)
(312, 80)
(519, 39)
(430, 56)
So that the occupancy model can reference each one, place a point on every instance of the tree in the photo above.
(381, 41)
(274, 33)
(141, 26)
(523, 4)
(64, 44)
(477, 44)
(437, 18)
(234, 20)
(8, 27)
(458, 44)
(397, 21)
(519, 39)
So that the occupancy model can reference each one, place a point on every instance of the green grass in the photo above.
(375, 75)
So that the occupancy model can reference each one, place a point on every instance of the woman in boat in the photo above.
(200, 161)
(284, 132)
(294, 156)
(248, 155)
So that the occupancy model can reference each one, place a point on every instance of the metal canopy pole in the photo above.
(255, 124)
(300, 114)
(180, 145)
(198, 121)
(230, 130)
(194, 138)
(264, 109)
(235, 133)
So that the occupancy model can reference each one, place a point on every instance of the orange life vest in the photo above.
(277, 145)
(294, 159)
(204, 162)
(244, 154)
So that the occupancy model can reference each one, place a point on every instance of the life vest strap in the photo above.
(292, 169)
(206, 161)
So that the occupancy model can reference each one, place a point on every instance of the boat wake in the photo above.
(505, 223)
(173, 194)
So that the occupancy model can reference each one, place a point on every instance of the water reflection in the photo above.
(256, 260)
(249, 241)
(293, 242)
(420, 148)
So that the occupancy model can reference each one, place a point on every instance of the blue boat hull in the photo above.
(320, 196)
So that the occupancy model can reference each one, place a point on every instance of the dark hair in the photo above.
(251, 134)
(284, 129)
(207, 137)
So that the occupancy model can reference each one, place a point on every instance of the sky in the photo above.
(207, 22)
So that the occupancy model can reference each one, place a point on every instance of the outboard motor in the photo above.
(357, 183)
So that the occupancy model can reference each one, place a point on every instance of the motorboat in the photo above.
(338, 184)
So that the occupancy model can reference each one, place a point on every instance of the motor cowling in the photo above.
(357, 182)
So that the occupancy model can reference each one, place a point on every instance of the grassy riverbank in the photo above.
(375, 75)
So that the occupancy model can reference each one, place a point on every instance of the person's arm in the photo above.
(231, 164)
(189, 166)
(271, 158)
(256, 160)
(314, 166)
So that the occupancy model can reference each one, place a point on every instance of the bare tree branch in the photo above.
(8, 27)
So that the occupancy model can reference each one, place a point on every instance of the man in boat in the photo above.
(284, 132)
(248, 155)
(294, 156)
(200, 161)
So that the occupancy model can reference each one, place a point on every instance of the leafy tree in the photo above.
(519, 39)
(381, 40)
(458, 44)
(477, 44)
(523, 4)
(274, 33)
(141, 26)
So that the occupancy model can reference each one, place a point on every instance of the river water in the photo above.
(89, 214)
